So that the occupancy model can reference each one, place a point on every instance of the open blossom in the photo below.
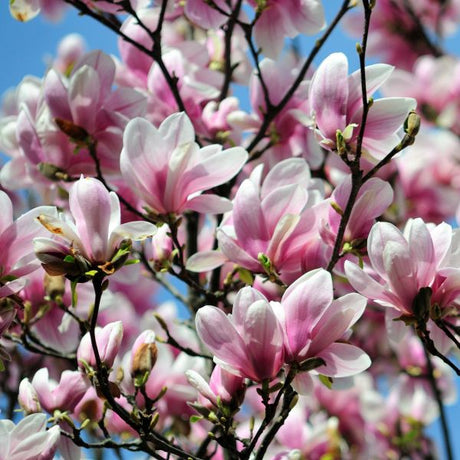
(249, 342)
(372, 200)
(336, 105)
(317, 326)
(95, 237)
(64, 395)
(272, 219)
(169, 170)
(401, 264)
(434, 82)
(16, 257)
(286, 18)
(29, 439)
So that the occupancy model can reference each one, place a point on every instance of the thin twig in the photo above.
(437, 394)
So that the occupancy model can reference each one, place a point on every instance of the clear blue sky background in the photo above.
(25, 47)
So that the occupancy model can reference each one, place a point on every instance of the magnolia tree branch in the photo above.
(438, 397)
(354, 163)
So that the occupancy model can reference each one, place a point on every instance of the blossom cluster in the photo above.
(306, 237)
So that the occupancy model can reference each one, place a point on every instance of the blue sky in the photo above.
(25, 48)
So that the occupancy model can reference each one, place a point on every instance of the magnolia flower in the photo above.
(64, 395)
(316, 325)
(286, 18)
(96, 240)
(337, 108)
(108, 340)
(169, 171)
(249, 342)
(372, 200)
(411, 272)
(29, 439)
(223, 387)
(16, 257)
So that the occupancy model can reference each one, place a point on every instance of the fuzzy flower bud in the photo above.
(143, 355)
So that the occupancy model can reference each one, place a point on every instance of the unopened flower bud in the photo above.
(54, 286)
(75, 132)
(28, 398)
(144, 354)
(412, 124)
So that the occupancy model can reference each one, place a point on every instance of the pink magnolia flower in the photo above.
(248, 342)
(286, 18)
(87, 100)
(373, 199)
(401, 264)
(434, 82)
(108, 340)
(395, 33)
(336, 106)
(272, 219)
(169, 171)
(316, 325)
(29, 439)
(16, 258)
(197, 83)
(223, 387)
(96, 236)
(428, 185)
(64, 395)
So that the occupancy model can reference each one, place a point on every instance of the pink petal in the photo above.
(214, 169)
(90, 205)
(209, 204)
(386, 116)
(375, 74)
(249, 221)
(329, 95)
(235, 253)
(104, 66)
(343, 360)
(205, 261)
(380, 234)
(218, 333)
(56, 96)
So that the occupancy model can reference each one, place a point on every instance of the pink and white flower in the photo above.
(169, 171)
(95, 237)
(248, 342)
(336, 107)
(29, 439)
